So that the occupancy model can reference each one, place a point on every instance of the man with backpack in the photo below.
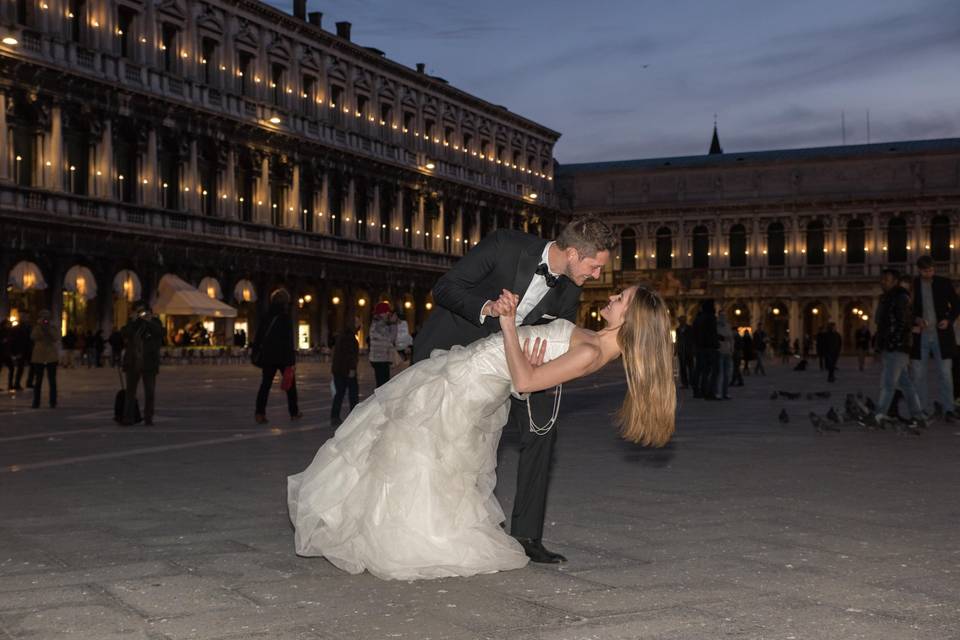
(143, 337)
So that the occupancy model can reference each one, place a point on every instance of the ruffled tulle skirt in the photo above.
(404, 489)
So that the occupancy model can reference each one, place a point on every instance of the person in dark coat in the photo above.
(863, 339)
(346, 357)
(893, 342)
(44, 357)
(685, 351)
(759, 350)
(707, 344)
(116, 347)
(737, 379)
(832, 345)
(936, 307)
(274, 341)
(748, 351)
(21, 350)
(143, 337)
(6, 335)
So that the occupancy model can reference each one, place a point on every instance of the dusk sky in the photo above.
(639, 79)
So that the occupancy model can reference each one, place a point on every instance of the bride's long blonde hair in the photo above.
(648, 413)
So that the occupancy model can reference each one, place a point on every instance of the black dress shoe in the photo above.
(537, 553)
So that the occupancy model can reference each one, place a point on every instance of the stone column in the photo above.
(795, 323)
(105, 169)
(475, 231)
(418, 223)
(193, 202)
(150, 172)
(228, 207)
(53, 151)
(439, 226)
(5, 173)
(261, 210)
(349, 223)
(321, 213)
(374, 233)
(456, 242)
(293, 202)
(396, 218)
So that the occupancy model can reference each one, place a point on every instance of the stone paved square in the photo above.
(742, 527)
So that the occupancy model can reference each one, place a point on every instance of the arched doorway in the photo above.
(897, 240)
(815, 242)
(79, 313)
(856, 248)
(814, 319)
(701, 247)
(776, 245)
(856, 315)
(738, 246)
(940, 239)
(738, 315)
(26, 292)
(628, 250)
(777, 326)
(664, 248)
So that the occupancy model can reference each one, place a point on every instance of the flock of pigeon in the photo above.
(858, 410)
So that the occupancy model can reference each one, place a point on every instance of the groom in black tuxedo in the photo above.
(547, 276)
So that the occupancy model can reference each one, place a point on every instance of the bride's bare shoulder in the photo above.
(579, 335)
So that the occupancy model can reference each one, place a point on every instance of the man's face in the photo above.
(927, 273)
(581, 268)
(888, 281)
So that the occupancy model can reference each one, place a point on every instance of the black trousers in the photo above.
(266, 381)
(344, 385)
(686, 365)
(36, 375)
(705, 374)
(533, 470)
(16, 373)
(149, 394)
(830, 361)
(381, 372)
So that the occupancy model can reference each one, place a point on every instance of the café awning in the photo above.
(26, 276)
(80, 280)
(178, 298)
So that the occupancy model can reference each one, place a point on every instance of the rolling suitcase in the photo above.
(120, 400)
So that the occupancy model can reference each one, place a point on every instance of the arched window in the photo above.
(815, 242)
(738, 246)
(776, 244)
(940, 238)
(701, 247)
(664, 248)
(628, 250)
(856, 242)
(897, 240)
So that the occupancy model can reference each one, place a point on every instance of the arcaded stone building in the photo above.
(787, 239)
(233, 145)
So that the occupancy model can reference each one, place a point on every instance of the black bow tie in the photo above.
(544, 270)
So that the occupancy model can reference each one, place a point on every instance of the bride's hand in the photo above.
(535, 356)
(507, 303)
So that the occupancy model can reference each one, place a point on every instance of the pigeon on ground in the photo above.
(783, 417)
(774, 395)
(870, 404)
(832, 416)
(820, 425)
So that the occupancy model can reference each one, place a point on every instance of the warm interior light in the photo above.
(275, 120)
(335, 300)
(430, 165)
(10, 41)
(429, 306)
(362, 302)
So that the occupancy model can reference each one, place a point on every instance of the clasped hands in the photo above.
(506, 307)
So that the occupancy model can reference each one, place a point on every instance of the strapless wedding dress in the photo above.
(404, 488)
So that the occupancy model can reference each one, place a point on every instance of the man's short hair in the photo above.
(924, 262)
(589, 235)
(891, 272)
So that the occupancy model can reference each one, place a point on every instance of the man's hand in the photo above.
(943, 324)
(490, 309)
(535, 355)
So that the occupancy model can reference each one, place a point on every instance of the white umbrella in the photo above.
(80, 280)
(25, 276)
(177, 298)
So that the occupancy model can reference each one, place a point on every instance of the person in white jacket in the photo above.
(383, 341)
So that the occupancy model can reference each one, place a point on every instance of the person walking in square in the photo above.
(832, 346)
(863, 339)
(274, 345)
(44, 357)
(346, 357)
(760, 350)
(20, 354)
(936, 307)
(725, 335)
(893, 342)
(143, 337)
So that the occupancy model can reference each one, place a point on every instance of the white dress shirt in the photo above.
(535, 292)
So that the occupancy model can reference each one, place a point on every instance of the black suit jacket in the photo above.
(504, 259)
(946, 306)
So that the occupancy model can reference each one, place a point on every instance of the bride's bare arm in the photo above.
(578, 361)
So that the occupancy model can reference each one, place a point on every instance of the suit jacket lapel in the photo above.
(527, 266)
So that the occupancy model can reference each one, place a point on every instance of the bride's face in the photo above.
(616, 308)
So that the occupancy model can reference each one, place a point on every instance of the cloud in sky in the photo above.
(641, 78)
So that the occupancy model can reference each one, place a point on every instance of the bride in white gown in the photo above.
(404, 488)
